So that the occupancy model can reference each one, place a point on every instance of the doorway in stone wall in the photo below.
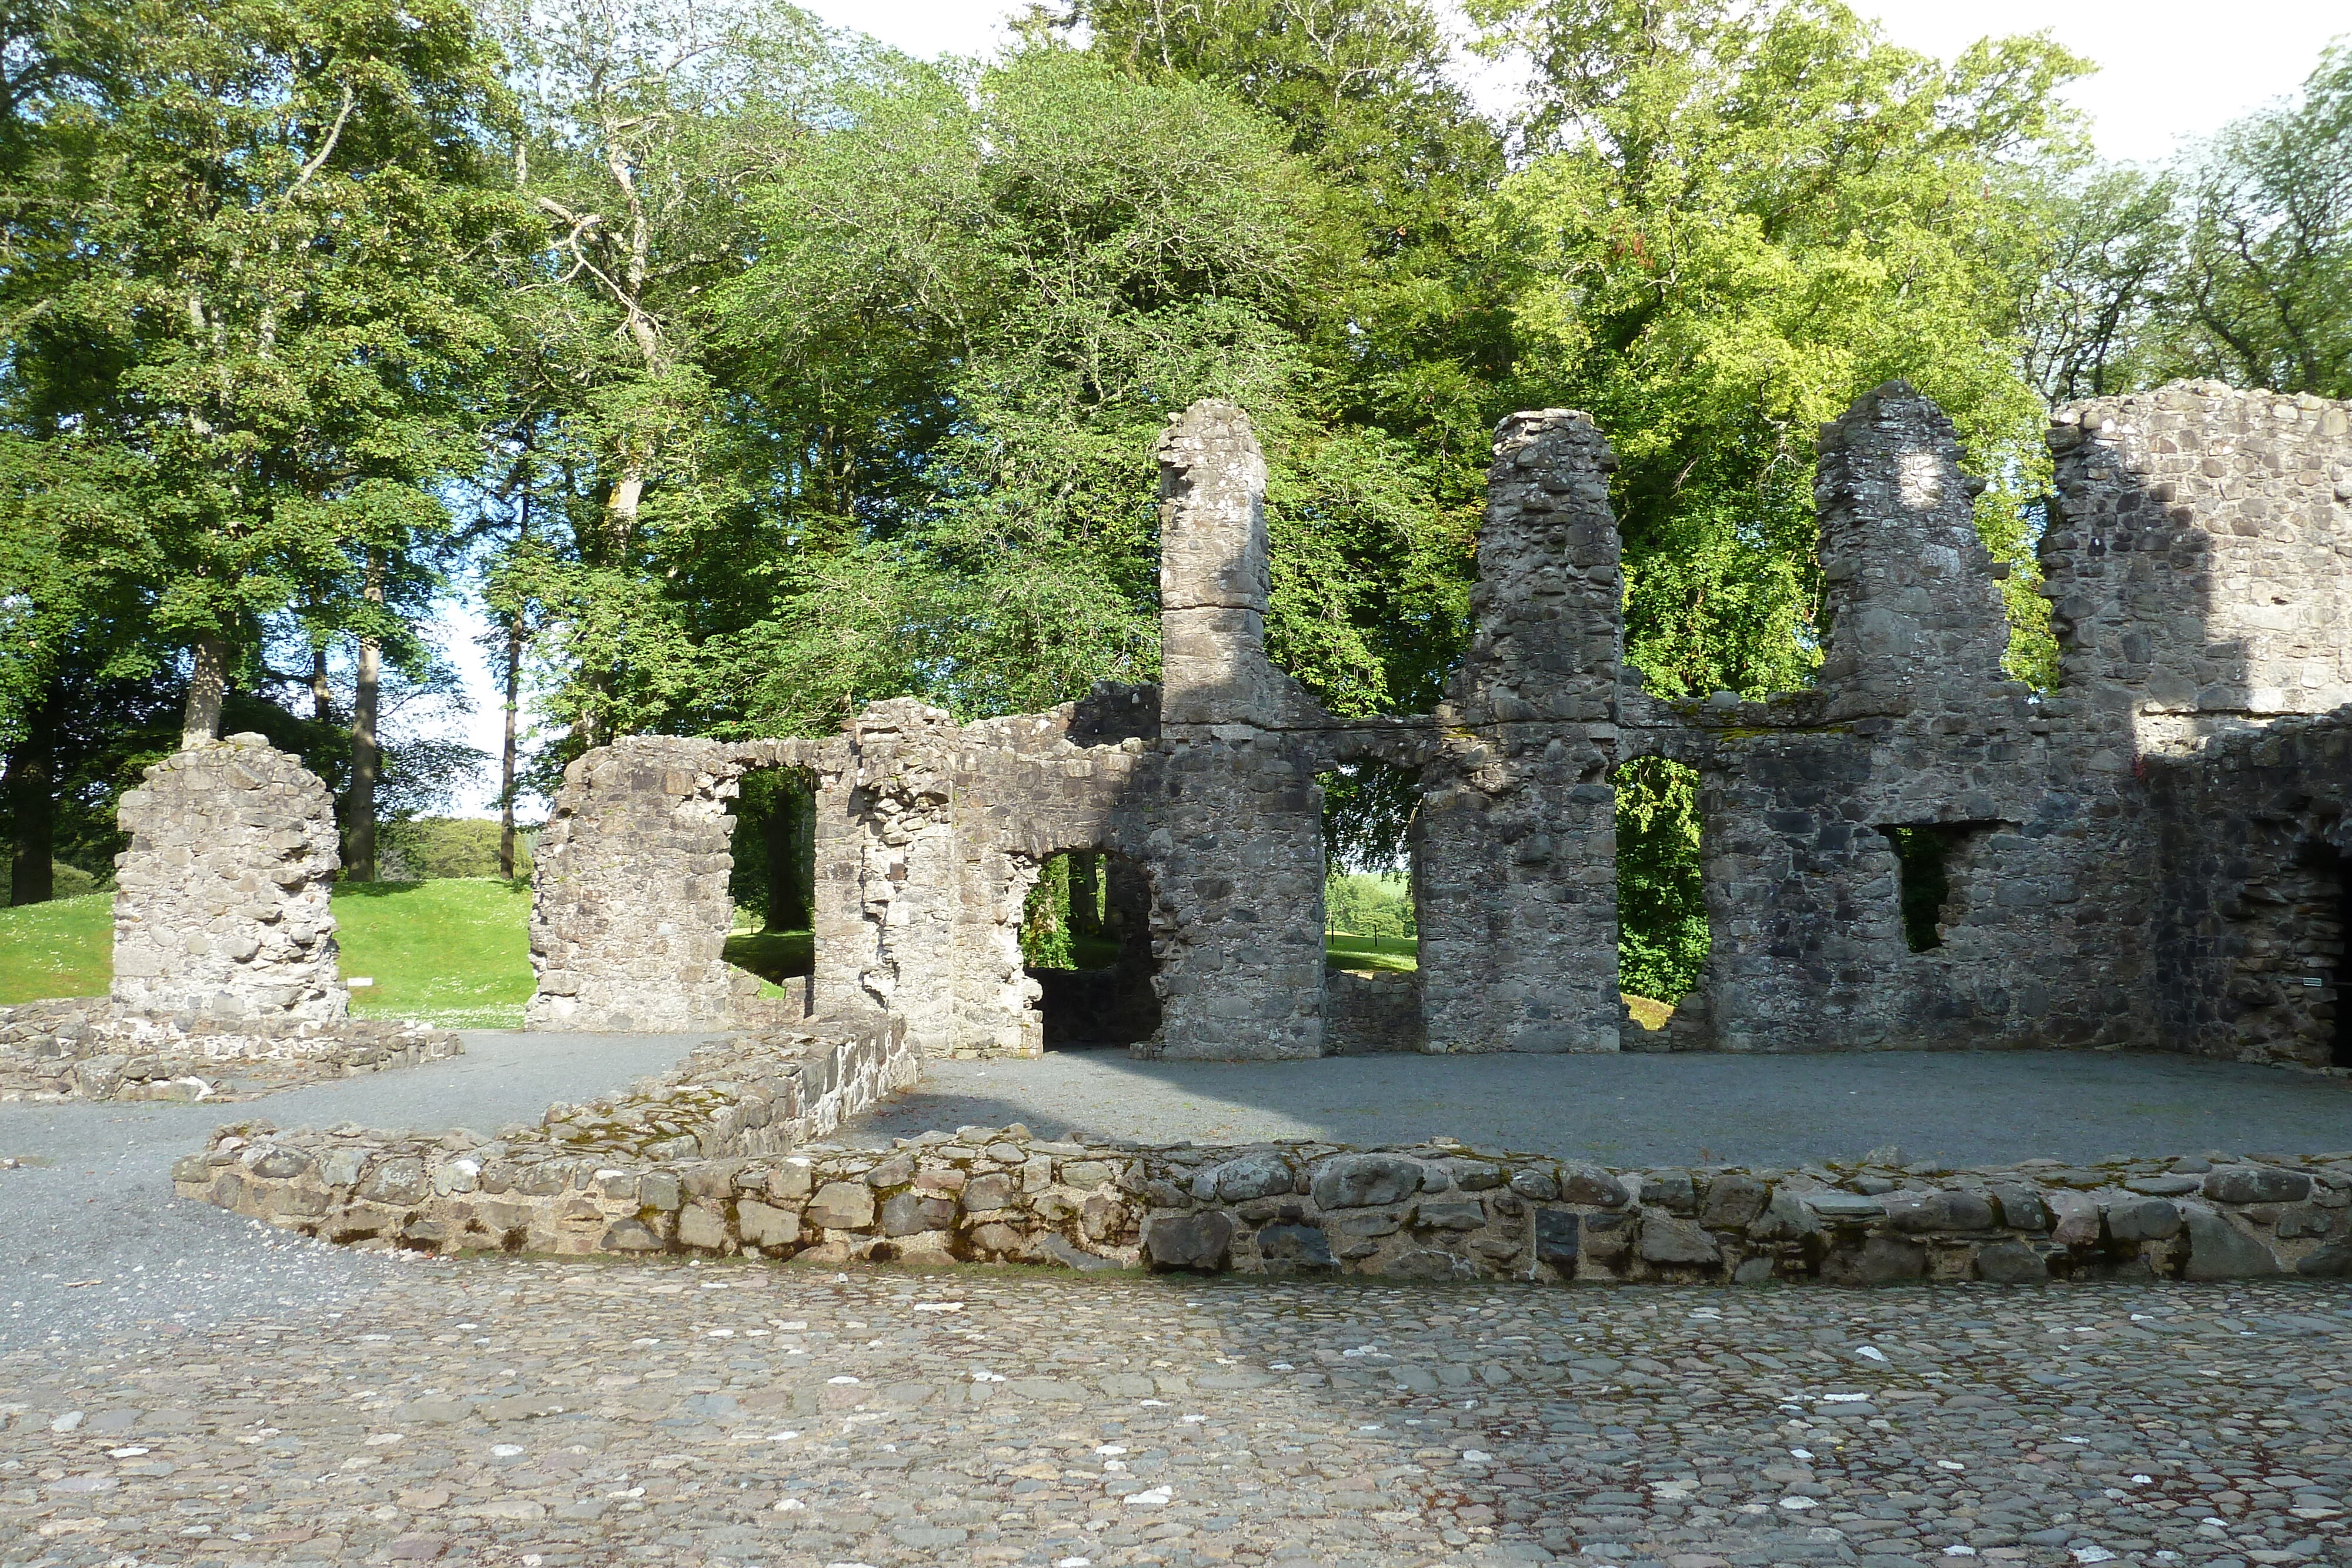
(773, 843)
(1086, 939)
(2340, 1048)
(1662, 930)
(1371, 909)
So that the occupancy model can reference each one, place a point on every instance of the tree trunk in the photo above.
(507, 751)
(323, 695)
(358, 801)
(208, 682)
(786, 832)
(31, 787)
(1086, 894)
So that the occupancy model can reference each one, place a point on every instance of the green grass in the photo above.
(452, 951)
(773, 956)
(1342, 951)
(63, 948)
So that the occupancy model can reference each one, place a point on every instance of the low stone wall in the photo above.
(88, 1047)
(706, 1161)
(607, 1175)
(1371, 1012)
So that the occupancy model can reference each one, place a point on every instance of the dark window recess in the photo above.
(1922, 858)
(2342, 1054)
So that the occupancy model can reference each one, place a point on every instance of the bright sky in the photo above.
(2168, 70)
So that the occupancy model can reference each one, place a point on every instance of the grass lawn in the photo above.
(63, 948)
(773, 956)
(452, 951)
(1344, 952)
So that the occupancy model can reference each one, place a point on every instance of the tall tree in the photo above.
(250, 244)
(2264, 294)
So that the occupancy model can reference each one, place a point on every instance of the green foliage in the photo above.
(1920, 855)
(1660, 902)
(1046, 919)
(1748, 216)
(431, 848)
(452, 952)
(1367, 904)
(1398, 955)
(2263, 298)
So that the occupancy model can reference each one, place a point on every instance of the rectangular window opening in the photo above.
(1930, 858)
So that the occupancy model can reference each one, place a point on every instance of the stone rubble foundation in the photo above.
(708, 1161)
(89, 1048)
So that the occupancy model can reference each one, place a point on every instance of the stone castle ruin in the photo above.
(2153, 854)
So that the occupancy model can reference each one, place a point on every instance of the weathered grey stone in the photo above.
(1732, 1201)
(763, 1226)
(1303, 1245)
(1188, 1240)
(698, 1226)
(2141, 1219)
(1879, 1261)
(908, 1213)
(1364, 1181)
(1250, 1176)
(2331, 1262)
(1668, 1238)
(1591, 1184)
(2220, 1251)
(841, 1205)
(2011, 1263)
(2257, 1184)
(221, 900)
(1786, 1218)
(1556, 1238)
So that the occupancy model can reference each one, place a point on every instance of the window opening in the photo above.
(1925, 868)
(1086, 939)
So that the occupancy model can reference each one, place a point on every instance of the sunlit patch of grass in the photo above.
(1650, 1013)
(62, 948)
(453, 952)
(1342, 951)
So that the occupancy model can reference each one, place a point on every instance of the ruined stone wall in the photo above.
(1912, 725)
(2198, 558)
(2253, 839)
(2200, 565)
(220, 903)
(1516, 894)
(712, 1162)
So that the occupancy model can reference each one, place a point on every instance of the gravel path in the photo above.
(91, 1236)
(1961, 1107)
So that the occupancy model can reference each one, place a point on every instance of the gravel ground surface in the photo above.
(521, 1412)
(91, 1236)
(1960, 1107)
(178, 1385)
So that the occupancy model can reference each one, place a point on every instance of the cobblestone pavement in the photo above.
(516, 1411)
(1962, 1107)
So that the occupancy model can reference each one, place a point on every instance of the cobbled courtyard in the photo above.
(179, 1386)
(532, 1413)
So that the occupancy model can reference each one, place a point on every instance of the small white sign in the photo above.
(356, 981)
